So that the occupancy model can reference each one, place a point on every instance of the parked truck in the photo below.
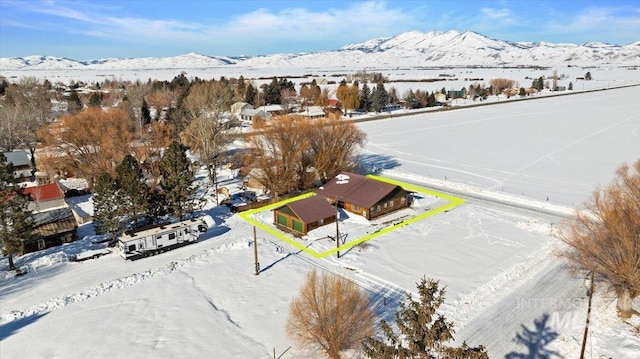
(159, 238)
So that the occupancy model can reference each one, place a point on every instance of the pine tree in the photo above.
(365, 98)
(272, 92)
(587, 76)
(250, 94)
(379, 98)
(423, 332)
(177, 178)
(145, 113)
(16, 223)
(412, 100)
(95, 100)
(73, 102)
(134, 189)
(570, 88)
(107, 206)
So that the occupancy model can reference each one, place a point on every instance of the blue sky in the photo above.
(98, 29)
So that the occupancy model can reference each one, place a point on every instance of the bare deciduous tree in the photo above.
(89, 142)
(206, 132)
(498, 85)
(330, 315)
(294, 152)
(605, 237)
(26, 108)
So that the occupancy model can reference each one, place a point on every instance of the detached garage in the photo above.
(302, 216)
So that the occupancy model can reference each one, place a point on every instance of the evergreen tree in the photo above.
(16, 223)
(95, 100)
(145, 113)
(365, 98)
(250, 94)
(522, 92)
(107, 206)
(431, 100)
(412, 100)
(587, 76)
(74, 103)
(570, 88)
(177, 178)
(241, 89)
(134, 189)
(379, 98)
(423, 332)
(272, 92)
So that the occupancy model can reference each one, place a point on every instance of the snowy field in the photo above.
(496, 258)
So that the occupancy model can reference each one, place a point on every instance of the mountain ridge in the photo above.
(413, 48)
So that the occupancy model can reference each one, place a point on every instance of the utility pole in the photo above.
(255, 250)
(586, 326)
(337, 229)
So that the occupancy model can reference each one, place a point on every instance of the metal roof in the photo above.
(356, 189)
(311, 209)
(18, 158)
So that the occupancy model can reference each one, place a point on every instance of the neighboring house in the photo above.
(304, 215)
(238, 107)
(456, 94)
(440, 97)
(254, 115)
(21, 163)
(334, 102)
(312, 112)
(365, 196)
(273, 109)
(54, 221)
(45, 197)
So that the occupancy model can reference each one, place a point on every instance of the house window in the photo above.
(172, 236)
(321, 221)
(403, 200)
(355, 208)
(131, 248)
(391, 203)
(385, 205)
(40, 243)
(371, 209)
(378, 208)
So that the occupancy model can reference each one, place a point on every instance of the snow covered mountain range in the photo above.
(410, 49)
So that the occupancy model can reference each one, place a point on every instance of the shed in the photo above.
(304, 215)
(365, 196)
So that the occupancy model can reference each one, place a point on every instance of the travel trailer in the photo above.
(159, 238)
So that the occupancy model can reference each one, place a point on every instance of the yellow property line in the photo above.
(453, 202)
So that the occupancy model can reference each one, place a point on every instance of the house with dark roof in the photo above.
(365, 196)
(20, 162)
(53, 220)
(302, 216)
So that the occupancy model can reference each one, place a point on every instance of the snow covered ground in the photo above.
(495, 254)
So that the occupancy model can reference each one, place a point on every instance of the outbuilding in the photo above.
(300, 217)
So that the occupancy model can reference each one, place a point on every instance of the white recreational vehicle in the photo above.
(159, 238)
